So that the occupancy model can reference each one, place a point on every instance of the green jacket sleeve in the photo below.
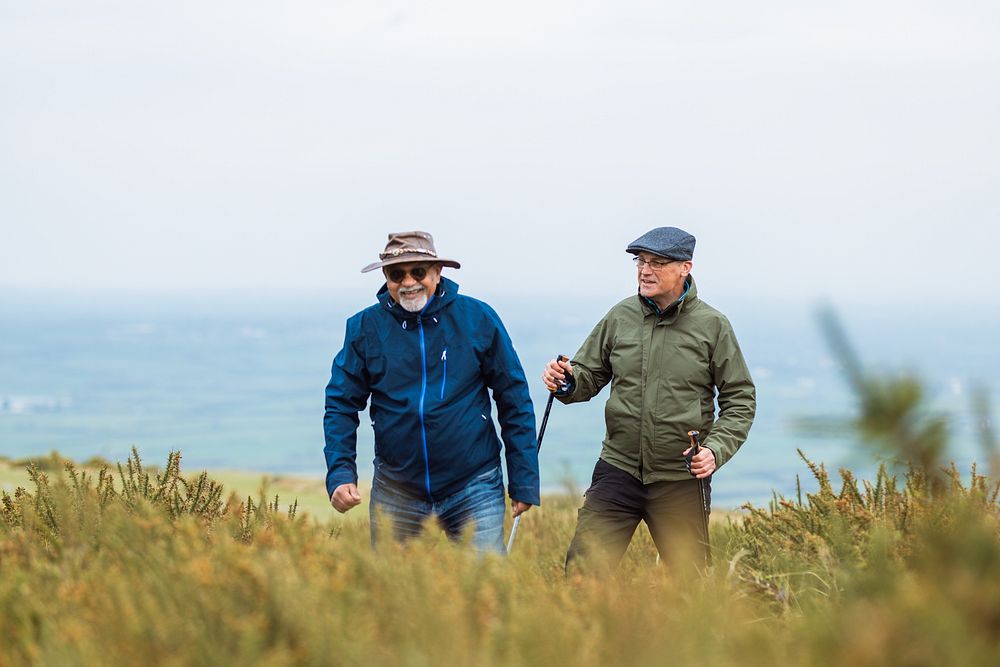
(591, 365)
(737, 396)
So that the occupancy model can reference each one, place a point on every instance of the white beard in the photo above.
(413, 302)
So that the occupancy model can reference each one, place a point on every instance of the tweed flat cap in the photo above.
(668, 242)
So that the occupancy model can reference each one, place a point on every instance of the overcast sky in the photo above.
(815, 149)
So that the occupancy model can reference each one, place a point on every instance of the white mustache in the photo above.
(417, 289)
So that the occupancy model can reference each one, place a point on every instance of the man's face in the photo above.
(661, 279)
(411, 284)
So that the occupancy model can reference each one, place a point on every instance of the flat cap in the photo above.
(668, 242)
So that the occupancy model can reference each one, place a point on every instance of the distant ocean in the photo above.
(238, 381)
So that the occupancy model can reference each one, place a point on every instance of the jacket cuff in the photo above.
(524, 494)
(333, 481)
(716, 451)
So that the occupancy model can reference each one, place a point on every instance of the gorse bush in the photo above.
(102, 577)
(799, 550)
(814, 551)
(76, 505)
(868, 574)
(132, 565)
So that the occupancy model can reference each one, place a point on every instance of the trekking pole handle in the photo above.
(695, 446)
(560, 357)
(695, 440)
(568, 383)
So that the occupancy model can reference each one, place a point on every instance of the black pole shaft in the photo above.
(696, 444)
(704, 518)
(545, 419)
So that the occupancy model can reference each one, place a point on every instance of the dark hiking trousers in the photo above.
(615, 504)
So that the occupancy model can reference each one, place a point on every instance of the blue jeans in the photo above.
(480, 503)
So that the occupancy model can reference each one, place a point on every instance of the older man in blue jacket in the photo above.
(428, 358)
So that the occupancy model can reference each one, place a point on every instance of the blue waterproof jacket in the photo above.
(428, 376)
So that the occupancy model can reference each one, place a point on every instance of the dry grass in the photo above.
(145, 567)
(129, 565)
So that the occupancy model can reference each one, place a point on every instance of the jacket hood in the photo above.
(443, 296)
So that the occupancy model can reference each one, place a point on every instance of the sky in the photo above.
(842, 150)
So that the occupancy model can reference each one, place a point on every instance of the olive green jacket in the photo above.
(664, 369)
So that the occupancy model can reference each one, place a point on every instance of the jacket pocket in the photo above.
(687, 419)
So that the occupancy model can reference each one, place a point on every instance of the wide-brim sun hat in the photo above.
(409, 247)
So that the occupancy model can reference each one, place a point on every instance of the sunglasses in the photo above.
(418, 273)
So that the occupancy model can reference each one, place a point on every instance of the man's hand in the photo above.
(345, 497)
(554, 374)
(518, 508)
(703, 463)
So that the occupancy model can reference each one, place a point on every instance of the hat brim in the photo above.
(636, 249)
(415, 257)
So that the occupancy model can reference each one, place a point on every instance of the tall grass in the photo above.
(875, 574)
(130, 565)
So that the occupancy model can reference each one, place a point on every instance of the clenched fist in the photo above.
(345, 497)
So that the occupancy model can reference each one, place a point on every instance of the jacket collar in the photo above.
(670, 313)
(445, 293)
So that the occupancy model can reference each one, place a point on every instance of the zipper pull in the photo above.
(444, 355)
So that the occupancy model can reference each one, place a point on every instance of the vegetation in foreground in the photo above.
(129, 565)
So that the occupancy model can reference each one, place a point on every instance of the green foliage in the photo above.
(811, 549)
(137, 568)
(134, 565)
(110, 572)
(75, 507)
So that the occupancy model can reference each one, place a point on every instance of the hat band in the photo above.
(406, 251)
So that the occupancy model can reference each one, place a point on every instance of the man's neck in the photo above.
(666, 300)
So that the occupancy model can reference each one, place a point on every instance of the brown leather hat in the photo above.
(409, 247)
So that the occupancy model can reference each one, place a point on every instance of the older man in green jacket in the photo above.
(668, 356)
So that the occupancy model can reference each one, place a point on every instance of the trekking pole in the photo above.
(695, 446)
(541, 434)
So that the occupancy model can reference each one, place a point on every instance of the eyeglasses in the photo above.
(654, 264)
(397, 275)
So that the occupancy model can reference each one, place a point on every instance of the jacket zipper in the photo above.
(444, 373)
(423, 393)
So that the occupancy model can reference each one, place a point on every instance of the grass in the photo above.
(125, 565)
(309, 492)
(141, 567)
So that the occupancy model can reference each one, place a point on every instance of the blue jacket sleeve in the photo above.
(505, 377)
(346, 395)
